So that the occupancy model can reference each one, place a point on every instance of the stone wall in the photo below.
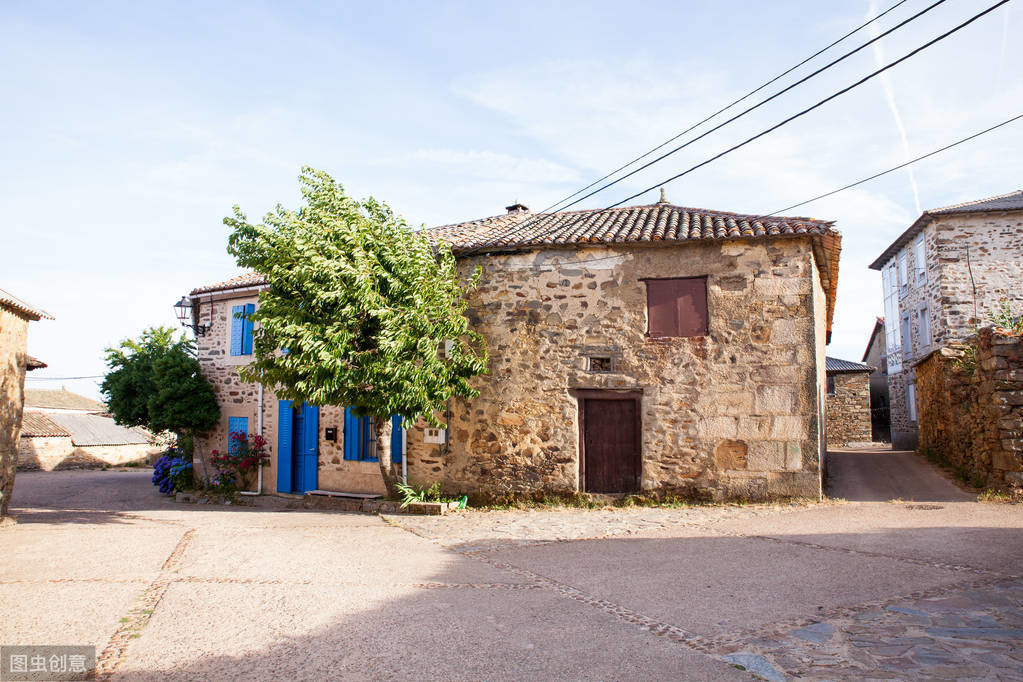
(993, 273)
(754, 383)
(848, 409)
(973, 420)
(13, 338)
(50, 453)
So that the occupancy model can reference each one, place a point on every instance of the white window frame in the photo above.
(920, 258)
(903, 274)
(890, 287)
(906, 325)
(911, 400)
(923, 325)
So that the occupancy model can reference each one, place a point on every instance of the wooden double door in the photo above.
(609, 423)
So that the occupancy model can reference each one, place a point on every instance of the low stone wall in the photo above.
(51, 453)
(848, 409)
(971, 410)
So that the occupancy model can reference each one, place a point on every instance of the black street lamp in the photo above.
(183, 310)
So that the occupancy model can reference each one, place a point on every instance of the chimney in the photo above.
(517, 208)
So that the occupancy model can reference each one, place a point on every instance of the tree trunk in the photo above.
(382, 426)
(196, 447)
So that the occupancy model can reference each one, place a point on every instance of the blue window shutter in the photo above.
(237, 329)
(247, 329)
(396, 439)
(234, 425)
(351, 435)
(284, 427)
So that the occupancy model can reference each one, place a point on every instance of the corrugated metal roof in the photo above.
(1013, 201)
(38, 425)
(22, 307)
(93, 429)
(834, 365)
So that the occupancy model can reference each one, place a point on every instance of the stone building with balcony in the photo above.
(941, 280)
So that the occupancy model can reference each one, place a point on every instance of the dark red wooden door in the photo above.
(611, 446)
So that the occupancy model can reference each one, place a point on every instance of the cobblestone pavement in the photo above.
(973, 632)
(488, 530)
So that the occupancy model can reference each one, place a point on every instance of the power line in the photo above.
(818, 104)
(728, 106)
(542, 214)
(819, 196)
(895, 168)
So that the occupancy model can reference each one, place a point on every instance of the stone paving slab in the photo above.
(214, 631)
(711, 584)
(70, 613)
(971, 633)
(987, 537)
(327, 555)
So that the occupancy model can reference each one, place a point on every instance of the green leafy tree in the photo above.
(155, 382)
(357, 311)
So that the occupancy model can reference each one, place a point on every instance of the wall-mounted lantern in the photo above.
(183, 310)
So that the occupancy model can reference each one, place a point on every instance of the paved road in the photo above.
(842, 591)
(885, 475)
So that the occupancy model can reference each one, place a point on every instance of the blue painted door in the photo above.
(298, 448)
(305, 442)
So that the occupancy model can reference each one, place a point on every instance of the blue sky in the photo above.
(130, 129)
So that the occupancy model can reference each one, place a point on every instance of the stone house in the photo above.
(15, 314)
(941, 278)
(655, 348)
(876, 357)
(848, 402)
(63, 430)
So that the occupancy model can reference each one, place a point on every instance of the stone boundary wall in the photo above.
(50, 453)
(973, 420)
(848, 409)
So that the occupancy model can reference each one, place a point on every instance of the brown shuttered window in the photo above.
(677, 307)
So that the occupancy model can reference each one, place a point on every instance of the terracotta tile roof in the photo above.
(23, 308)
(650, 223)
(61, 399)
(31, 363)
(1013, 201)
(653, 223)
(38, 425)
(247, 279)
(836, 366)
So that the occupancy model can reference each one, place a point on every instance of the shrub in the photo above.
(172, 472)
(243, 458)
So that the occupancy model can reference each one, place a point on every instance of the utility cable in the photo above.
(727, 106)
(541, 215)
(753, 219)
(818, 104)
